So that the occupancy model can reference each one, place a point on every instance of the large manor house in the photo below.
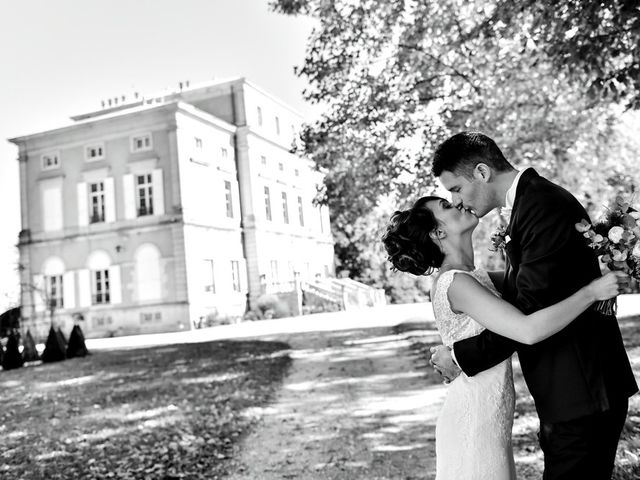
(152, 214)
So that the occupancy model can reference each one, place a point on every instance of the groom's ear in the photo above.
(482, 172)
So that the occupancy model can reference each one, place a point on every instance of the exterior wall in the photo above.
(172, 268)
(209, 255)
(260, 104)
(118, 237)
(213, 238)
(278, 246)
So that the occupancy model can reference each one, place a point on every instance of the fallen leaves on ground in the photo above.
(167, 412)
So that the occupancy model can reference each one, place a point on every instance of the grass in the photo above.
(168, 412)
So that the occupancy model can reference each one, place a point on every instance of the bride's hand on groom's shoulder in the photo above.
(443, 363)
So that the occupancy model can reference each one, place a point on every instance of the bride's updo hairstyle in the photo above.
(407, 240)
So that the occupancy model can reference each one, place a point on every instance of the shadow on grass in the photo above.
(163, 412)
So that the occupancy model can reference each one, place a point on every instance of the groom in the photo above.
(580, 378)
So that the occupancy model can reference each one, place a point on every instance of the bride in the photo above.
(473, 431)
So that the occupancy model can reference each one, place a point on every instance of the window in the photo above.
(263, 160)
(285, 208)
(96, 202)
(281, 166)
(296, 172)
(101, 321)
(300, 211)
(259, 116)
(267, 203)
(141, 143)
(94, 152)
(224, 153)
(147, 317)
(100, 287)
(51, 197)
(144, 193)
(54, 293)
(209, 277)
(277, 126)
(235, 275)
(148, 272)
(50, 161)
(275, 278)
(198, 142)
(228, 198)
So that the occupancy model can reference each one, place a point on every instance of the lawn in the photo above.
(167, 412)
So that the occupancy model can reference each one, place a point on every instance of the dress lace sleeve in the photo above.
(452, 326)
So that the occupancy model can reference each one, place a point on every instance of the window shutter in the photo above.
(158, 192)
(84, 288)
(115, 289)
(39, 293)
(109, 200)
(83, 205)
(69, 289)
(128, 193)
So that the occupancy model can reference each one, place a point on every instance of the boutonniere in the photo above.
(499, 239)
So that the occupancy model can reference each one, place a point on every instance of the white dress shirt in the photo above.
(510, 197)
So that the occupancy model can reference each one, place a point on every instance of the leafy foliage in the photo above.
(597, 43)
(397, 78)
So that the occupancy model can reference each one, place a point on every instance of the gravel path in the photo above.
(357, 404)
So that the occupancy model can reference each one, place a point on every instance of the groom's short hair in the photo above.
(461, 153)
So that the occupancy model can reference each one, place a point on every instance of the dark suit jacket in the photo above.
(584, 368)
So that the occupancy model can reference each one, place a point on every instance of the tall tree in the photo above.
(396, 78)
(596, 42)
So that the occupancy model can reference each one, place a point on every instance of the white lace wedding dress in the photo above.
(473, 431)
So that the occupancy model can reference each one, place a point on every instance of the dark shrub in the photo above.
(270, 306)
(76, 346)
(55, 348)
(29, 353)
(12, 357)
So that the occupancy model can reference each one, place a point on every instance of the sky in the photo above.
(62, 57)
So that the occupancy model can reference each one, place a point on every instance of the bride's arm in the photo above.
(468, 296)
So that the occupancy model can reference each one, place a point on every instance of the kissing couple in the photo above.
(572, 356)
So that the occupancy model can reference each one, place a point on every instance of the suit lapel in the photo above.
(512, 258)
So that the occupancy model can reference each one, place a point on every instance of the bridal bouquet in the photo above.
(616, 240)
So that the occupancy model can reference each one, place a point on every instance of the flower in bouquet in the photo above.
(616, 240)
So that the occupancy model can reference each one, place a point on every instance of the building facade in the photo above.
(156, 214)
